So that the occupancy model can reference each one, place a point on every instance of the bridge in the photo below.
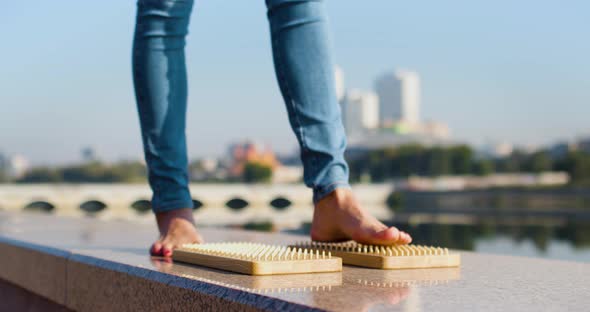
(214, 203)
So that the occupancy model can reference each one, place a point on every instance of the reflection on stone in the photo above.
(366, 298)
(370, 287)
(387, 288)
(316, 282)
(402, 278)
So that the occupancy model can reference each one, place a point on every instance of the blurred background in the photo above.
(467, 121)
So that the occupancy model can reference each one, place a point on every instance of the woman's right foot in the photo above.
(177, 227)
(339, 217)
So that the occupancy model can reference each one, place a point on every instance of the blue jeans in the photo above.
(304, 71)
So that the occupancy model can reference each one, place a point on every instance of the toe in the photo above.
(388, 236)
(405, 238)
(156, 249)
(167, 250)
(409, 239)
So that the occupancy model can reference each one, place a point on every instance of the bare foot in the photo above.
(177, 227)
(339, 217)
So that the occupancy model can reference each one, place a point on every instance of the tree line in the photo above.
(91, 172)
(375, 166)
(121, 172)
(403, 161)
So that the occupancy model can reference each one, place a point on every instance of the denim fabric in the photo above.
(304, 70)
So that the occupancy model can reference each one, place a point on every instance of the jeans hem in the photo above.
(173, 205)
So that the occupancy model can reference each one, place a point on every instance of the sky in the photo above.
(494, 71)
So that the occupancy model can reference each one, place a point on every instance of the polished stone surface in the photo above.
(15, 298)
(108, 267)
(43, 271)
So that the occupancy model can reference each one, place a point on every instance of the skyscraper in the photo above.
(360, 111)
(399, 97)
(339, 80)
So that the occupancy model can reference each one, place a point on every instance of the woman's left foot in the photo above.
(339, 217)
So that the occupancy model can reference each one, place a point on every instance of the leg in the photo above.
(160, 81)
(305, 73)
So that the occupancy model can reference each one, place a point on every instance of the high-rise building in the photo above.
(399, 97)
(360, 111)
(339, 80)
(18, 166)
(13, 166)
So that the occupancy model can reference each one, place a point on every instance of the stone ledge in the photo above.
(15, 298)
(39, 269)
(86, 283)
(92, 265)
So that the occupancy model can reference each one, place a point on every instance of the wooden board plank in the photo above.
(257, 259)
(386, 257)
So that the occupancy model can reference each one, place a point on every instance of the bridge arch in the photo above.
(237, 203)
(39, 206)
(197, 204)
(280, 203)
(93, 206)
(142, 205)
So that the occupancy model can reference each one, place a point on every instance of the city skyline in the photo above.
(521, 80)
(389, 115)
(399, 96)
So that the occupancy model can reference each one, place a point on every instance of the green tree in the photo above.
(538, 162)
(483, 167)
(461, 159)
(256, 172)
(3, 169)
(395, 201)
(376, 163)
(41, 175)
(410, 160)
(511, 163)
(129, 171)
(577, 165)
(92, 172)
(439, 161)
(3, 176)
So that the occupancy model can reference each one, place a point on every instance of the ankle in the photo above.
(336, 198)
(170, 216)
(175, 213)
